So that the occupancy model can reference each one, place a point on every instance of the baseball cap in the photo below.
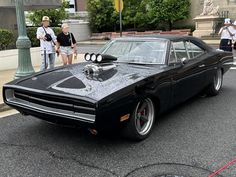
(45, 18)
(227, 21)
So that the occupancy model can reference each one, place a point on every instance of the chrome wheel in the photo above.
(218, 80)
(144, 116)
(215, 85)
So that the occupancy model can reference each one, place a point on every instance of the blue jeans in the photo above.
(50, 61)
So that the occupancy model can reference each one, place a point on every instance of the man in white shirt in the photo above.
(47, 44)
(226, 33)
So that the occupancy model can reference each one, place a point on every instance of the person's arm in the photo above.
(54, 37)
(221, 30)
(58, 44)
(231, 34)
(73, 39)
(234, 37)
(74, 43)
(40, 34)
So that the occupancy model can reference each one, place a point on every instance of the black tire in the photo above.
(141, 121)
(216, 84)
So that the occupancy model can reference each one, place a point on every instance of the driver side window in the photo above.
(193, 50)
(172, 57)
(178, 51)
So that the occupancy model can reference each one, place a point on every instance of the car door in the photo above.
(188, 78)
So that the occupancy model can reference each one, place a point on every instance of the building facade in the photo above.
(77, 6)
(81, 5)
(227, 8)
(8, 11)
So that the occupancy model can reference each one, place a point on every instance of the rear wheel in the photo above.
(141, 122)
(216, 83)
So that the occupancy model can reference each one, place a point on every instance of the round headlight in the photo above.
(87, 56)
(99, 58)
(93, 57)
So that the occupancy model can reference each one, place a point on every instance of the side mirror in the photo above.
(184, 61)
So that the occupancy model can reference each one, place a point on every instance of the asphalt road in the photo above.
(192, 140)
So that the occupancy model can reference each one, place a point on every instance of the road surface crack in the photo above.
(170, 164)
(54, 155)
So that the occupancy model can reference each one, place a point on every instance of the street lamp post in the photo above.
(120, 14)
(23, 43)
(119, 7)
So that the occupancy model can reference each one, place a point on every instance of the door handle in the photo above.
(201, 66)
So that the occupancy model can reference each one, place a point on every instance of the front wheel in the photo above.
(216, 83)
(141, 121)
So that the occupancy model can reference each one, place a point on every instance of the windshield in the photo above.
(144, 52)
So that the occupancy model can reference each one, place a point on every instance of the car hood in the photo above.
(72, 80)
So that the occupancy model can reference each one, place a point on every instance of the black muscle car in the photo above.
(126, 85)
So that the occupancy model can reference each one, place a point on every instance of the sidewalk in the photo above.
(8, 75)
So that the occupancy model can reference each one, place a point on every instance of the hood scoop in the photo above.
(100, 63)
(97, 69)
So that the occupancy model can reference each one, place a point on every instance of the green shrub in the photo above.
(6, 38)
(31, 33)
(56, 30)
(192, 27)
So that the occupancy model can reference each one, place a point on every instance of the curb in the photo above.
(4, 107)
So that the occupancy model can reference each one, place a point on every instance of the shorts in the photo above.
(67, 50)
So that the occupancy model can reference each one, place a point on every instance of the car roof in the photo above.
(166, 37)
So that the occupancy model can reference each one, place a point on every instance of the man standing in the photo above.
(47, 44)
(226, 36)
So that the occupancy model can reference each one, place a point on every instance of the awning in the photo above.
(32, 4)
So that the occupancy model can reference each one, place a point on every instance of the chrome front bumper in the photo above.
(12, 100)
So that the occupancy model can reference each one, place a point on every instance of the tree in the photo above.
(137, 15)
(102, 15)
(129, 13)
(142, 17)
(168, 11)
(56, 15)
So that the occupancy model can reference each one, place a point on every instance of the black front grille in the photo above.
(56, 102)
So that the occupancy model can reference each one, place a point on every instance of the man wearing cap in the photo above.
(226, 33)
(47, 42)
